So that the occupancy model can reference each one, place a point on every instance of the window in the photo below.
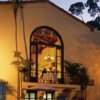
(30, 96)
(2, 91)
(48, 96)
(46, 51)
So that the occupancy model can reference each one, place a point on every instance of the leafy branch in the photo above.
(24, 63)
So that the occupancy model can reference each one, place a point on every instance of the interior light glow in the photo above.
(48, 58)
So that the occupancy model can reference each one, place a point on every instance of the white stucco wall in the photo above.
(80, 45)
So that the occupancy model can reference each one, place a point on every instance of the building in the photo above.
(52, 36)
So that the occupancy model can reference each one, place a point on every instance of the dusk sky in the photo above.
(65, 4)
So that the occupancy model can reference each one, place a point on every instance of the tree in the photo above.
(78, 73)
(92, 8)
(95, 23)
(77, 9)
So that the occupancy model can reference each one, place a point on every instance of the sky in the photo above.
(65, 4)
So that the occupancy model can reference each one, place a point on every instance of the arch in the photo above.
(41, 39)
(48, 28)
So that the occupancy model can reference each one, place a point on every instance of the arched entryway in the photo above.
(46, 52)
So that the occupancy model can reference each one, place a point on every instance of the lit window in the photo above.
(46, 51)
(30, 96)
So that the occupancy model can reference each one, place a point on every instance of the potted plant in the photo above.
(78, 73)
(24, 65)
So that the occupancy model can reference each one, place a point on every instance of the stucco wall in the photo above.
(80, 45)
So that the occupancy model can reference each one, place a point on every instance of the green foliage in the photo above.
(91, 6)
(24, 63)
(78, 73)
(10, 90)
(77, 8)
(16, 1)
(72, 68)
(95, 23)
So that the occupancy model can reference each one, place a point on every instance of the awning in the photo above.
(41, 87)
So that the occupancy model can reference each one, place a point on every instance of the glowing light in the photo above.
(48, 58)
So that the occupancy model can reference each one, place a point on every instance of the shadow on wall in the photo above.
(64, 95)
(90, 54)
(10, 90)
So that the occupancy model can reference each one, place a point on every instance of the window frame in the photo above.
(61, 46)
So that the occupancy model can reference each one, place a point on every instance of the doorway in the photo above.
(46, 52)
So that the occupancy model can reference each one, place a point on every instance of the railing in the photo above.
(49, 78)
(69, 80)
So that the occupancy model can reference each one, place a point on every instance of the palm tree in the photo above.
(24, 64)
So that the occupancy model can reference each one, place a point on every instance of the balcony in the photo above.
(49, 78)
(68, 84)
